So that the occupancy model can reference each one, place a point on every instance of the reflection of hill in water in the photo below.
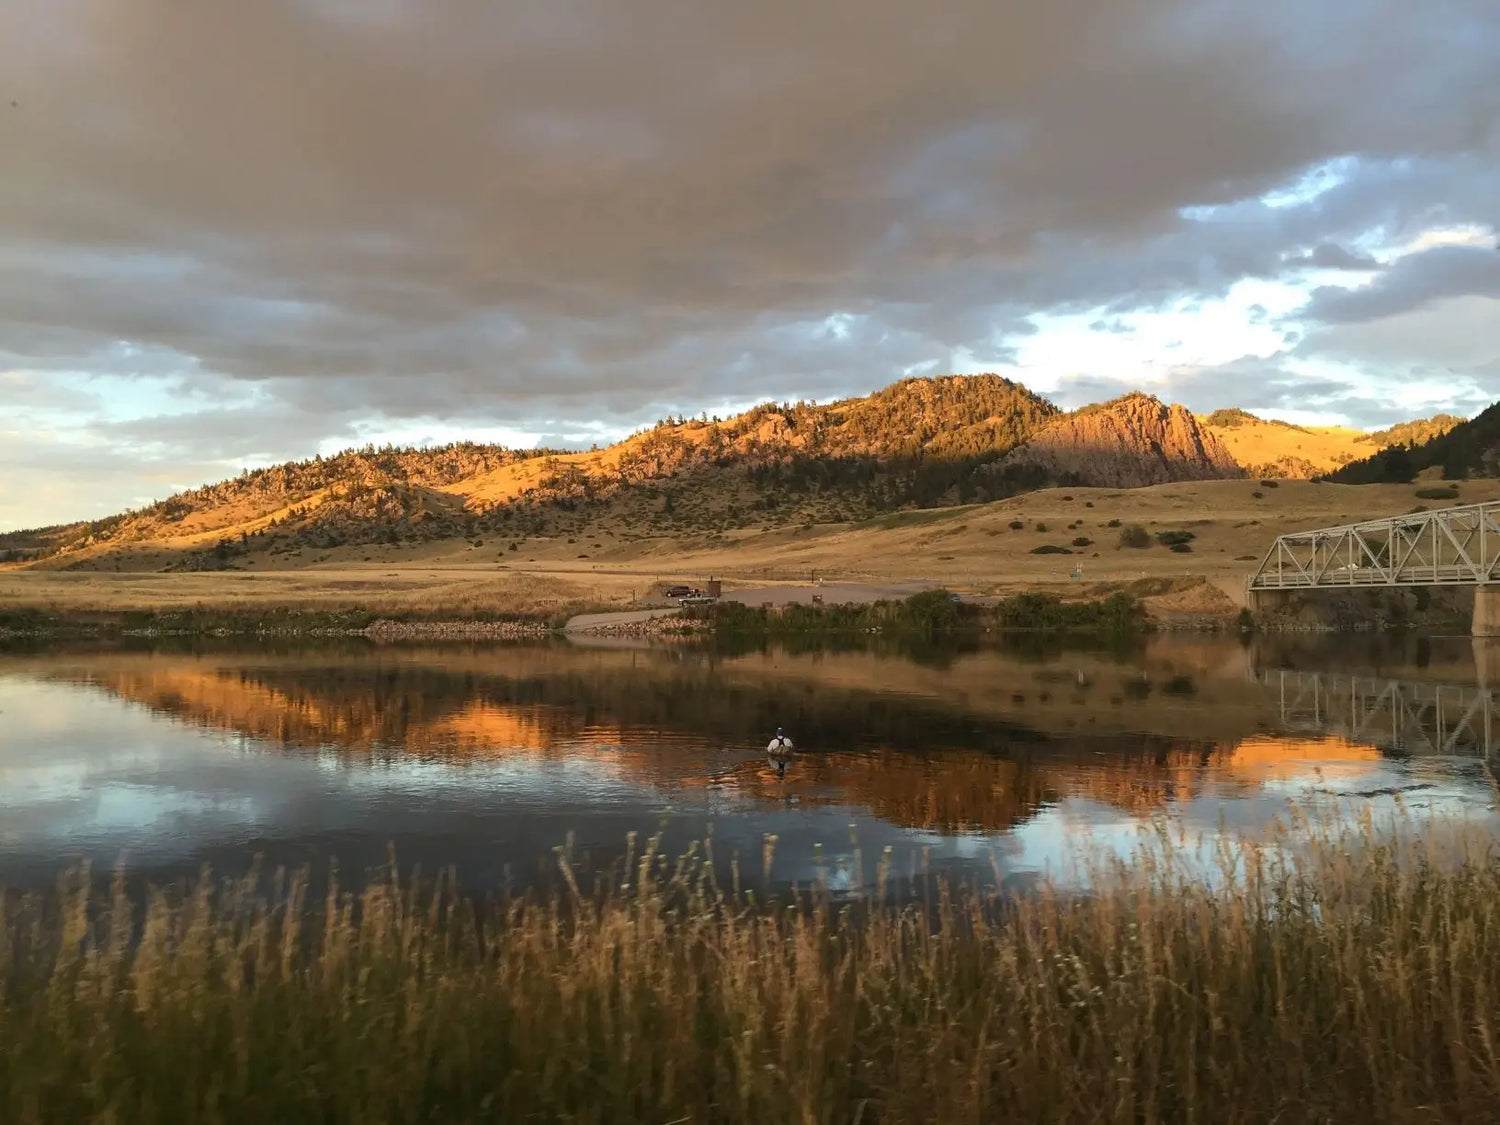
(379, 714)
(944, 750)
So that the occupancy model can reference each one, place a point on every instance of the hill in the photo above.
(1466, 449)
(1269, 448)
(1129, 442)
(919, 443)
(913, 444)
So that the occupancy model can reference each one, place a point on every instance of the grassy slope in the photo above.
(1272, 448)
(968, 548)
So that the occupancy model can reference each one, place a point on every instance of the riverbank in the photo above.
(52, 606)
(1346, 981)
(42, 625)
(929, 615)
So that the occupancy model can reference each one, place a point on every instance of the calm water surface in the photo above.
(994, 761)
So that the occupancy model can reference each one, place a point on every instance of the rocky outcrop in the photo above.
(1130, 442)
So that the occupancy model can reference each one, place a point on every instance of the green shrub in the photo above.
(1172, 538)
(1042, 528)
(1050, 549)
(1083, 541)
(1113, 523)
(1117, 613)
(1437, 494)
(1016, 525)
(920, 615)
(1270, 484)
(1135, 536)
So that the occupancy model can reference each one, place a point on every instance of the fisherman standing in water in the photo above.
(779, 752)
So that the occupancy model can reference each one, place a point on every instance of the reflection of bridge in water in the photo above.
(1400, 715)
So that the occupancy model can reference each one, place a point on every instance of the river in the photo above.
(998, 762)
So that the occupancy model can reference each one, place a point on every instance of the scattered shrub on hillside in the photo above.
(1067, 498)
(1270, 484)
(1088, 503)
(1414, 511)
(1041, 527)
(1113, 523)
(1135, 536)
(1016, 525)
(1083, 541)
(1180, 548)
(1050, 549)
(1258, 495)
(1173, 537)
(1437, 493)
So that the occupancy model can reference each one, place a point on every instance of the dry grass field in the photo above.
(1350, 980)
(977, 549)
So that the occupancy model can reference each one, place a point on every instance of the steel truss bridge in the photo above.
(1445, 547)
(1402, 716)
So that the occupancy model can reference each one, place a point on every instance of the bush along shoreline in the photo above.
(1348, 978)
(929, 614)
(259, 622)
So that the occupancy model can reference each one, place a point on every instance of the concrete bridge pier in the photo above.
(1486, 621)
(1263, 602)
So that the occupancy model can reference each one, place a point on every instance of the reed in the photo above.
(1352, 979)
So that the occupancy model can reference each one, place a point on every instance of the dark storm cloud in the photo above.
(1412, 282)
(499, 212)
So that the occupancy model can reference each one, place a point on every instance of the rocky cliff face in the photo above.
(1127, 443)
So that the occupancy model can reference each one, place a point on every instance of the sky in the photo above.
(237, 233)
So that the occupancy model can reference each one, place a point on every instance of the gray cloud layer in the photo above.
(504, 212)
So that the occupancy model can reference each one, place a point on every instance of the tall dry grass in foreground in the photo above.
(1358, 983)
